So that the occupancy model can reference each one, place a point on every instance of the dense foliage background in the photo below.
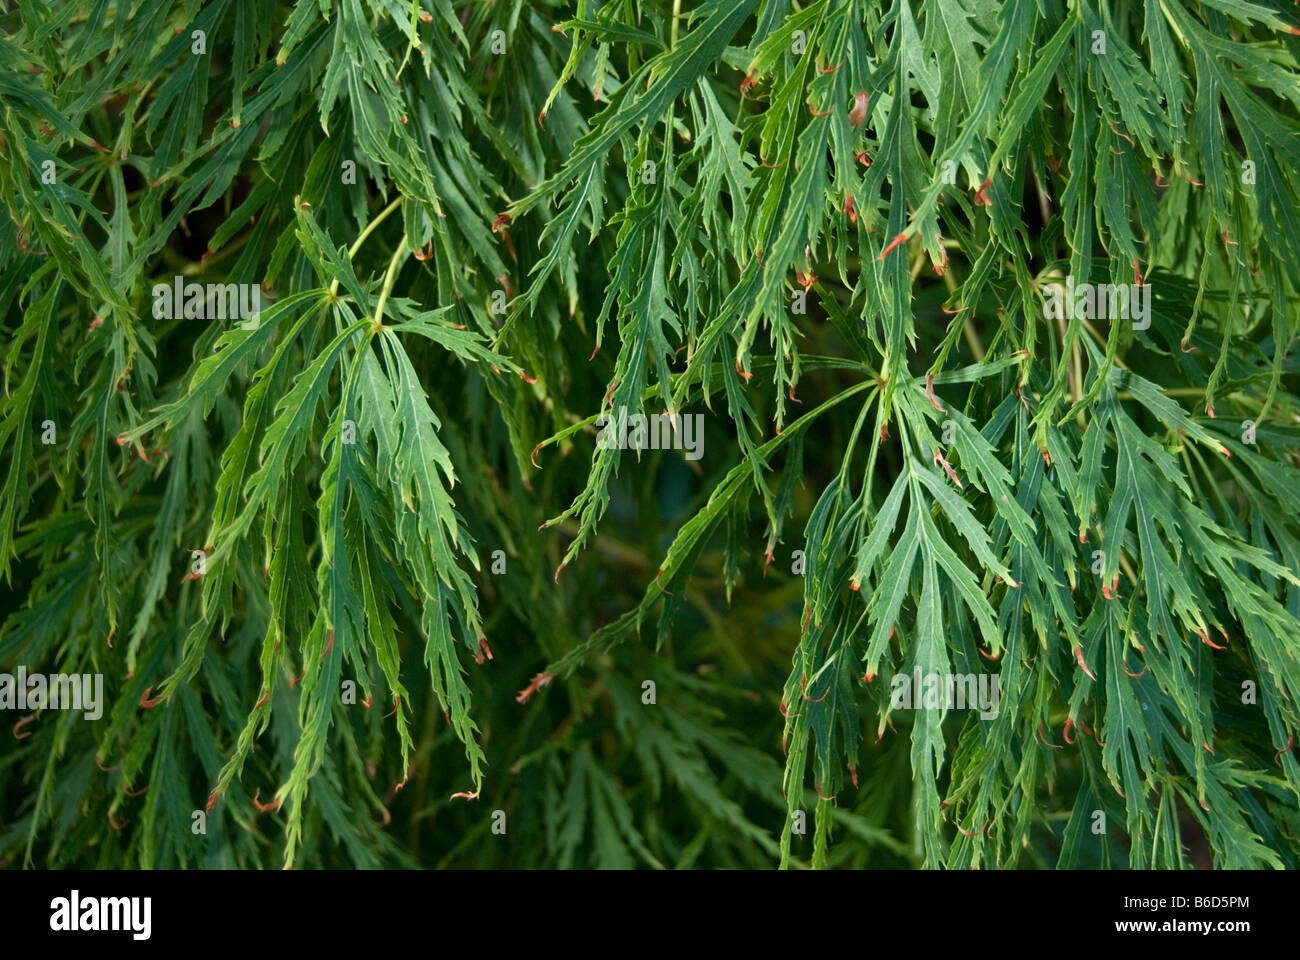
(829, 229)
